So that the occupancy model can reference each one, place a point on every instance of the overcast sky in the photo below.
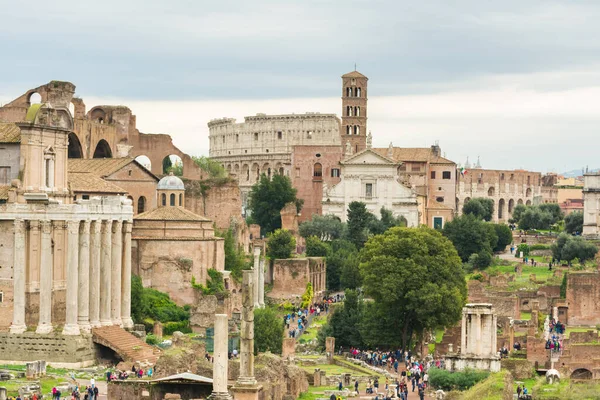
(514, 82)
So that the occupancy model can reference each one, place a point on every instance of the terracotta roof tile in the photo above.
(91, 183)
(9, 133)
(97, 166)
(170, 214)
(353, 74)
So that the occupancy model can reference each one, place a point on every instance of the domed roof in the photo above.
(170, 182)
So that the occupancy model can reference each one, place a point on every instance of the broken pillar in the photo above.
(3, 393)
(261, 283)
(221, 359)
(157, 329)
(256, 278)
(246, 387)
(330, 348)
(31, 369)
(317, 377)
(288, 350)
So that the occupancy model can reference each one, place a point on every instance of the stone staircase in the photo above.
(127, 346)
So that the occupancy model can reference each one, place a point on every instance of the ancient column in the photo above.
(83, 301)
(126, 277)
(261, 283)
(18, 322)
(221, 358)
(246, 377)
(494, 327)
(117, 259)
(477, 336)
(46, 263)
(256, 278)
(105, 273)
(463, 334)
(94, 294)
(71, 327)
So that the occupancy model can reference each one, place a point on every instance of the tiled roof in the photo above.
(97, 166)
(4, 192)
(170, 214)
(419, 154)
(91, 183)
(353, 74)
(9, 133)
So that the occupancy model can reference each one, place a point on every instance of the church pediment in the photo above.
(367, 156)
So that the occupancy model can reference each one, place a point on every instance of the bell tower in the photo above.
(354, 111)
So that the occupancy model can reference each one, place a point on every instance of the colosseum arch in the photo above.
(528, 192)
(511, 206)
(501, 206)
(520, 202)
(74, 150)
(255, 172)
(98, 115)
(102, 150)
(266, 169)
(528, 203)
(491, 191)
(245, 172)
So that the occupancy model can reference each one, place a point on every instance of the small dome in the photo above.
(170, 182)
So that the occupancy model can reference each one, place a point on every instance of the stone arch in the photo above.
(236, 169)
(491, 191)
(172, 200)
(75, 150)
(501, 206)
(246, 172)
(144, 161)
(520, 202)
(172, 163)
(528, 192)
(34, 98)
(141, 204)
(318, 170)
(528, 203)
(256, 171)
(582, 373)
(98, 115)
(266, 169)
(102, 150)
(511, 206)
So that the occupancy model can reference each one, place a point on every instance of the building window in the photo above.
(141, 204)
(172, 200)
(335, 172)
(318, 170)
(439, 199)
(223, 139)
(4, 175)
(348, 130)
(432, 174)
(297, 172)
(180, 200)
(512, 177)
(85, 197)
(446, 175)
(129, 172)
(237, 138)
(415, 168)
(438, 222)
(356, 130)
(279, 135)
(255, 135)
(502, 176)
(528, 179)
(1, 297)
(309, 135)
(369, 190)
(164, 199)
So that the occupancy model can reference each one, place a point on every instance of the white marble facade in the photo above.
(372, 179)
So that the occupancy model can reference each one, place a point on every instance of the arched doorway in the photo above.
(520, 202)
(145, 162)
(74, 150)
(172, 163)
(141, 205)
(102, 150)
(581, 373)
(528, 203)
(491, 191)
(511, 206)
(501, 205)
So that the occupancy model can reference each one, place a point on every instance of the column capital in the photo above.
(96, 226)
(73, 227)
(84, 227)
(19, 226)
(58, 224)
(127, 226)
(106, 226)
(34, 225)
(117, 226)
(46, 226)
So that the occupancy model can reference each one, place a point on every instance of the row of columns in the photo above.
(98, 274)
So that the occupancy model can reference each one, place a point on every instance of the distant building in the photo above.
(591, 205)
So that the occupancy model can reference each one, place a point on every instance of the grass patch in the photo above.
(577, 329)
(332, 369)
(526, 316)
(491, 388)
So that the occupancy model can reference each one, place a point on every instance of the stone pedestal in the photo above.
(317, 377)
(221, 359)
(157, 329)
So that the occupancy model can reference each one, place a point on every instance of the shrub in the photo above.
(563, 287)
(477, 277)
(523, 247)
(316, 248)
(539, 246)
(181, 326)
(460, 380)
(268, 331)
(151, 339)
(307, 297)
(281, 244)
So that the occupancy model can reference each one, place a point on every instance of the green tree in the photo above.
(504, 237)
(554, 210)
(167, 164)
(342, 252)
(358, 222)
(535, 218)
(324, 227)
(416, 276)
(316, 248)
(268, 331)
(568, 248)
(558, 245)
(350, 277)
(213, 168)
(267, 198)
(307, 296)
(387, 220)
(481, 208)
(235, 259)
(563, 287)
(345, 321)
(574, 222)
(469, 235)
(518, 212)
(148, 303)
(138, 313)
(281, 244)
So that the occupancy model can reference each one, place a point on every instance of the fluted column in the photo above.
(261, 283)
(71, 327)
(463, 334)
(126, 277)
(220, 363)
(105, 273)
(18, 322)
(46, 263)
(117, 259)
(83, 301)
(256, 278)
(95, 257)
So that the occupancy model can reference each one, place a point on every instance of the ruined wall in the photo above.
(506, 304)
(168, 265)
(218, 200)
(290, 277)
(55, 348)
(583, 292)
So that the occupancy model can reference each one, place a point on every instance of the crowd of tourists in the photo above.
(296, 320)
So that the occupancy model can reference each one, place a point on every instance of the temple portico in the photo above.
(83, 249)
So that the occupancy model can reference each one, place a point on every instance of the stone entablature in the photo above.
(507, 188)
